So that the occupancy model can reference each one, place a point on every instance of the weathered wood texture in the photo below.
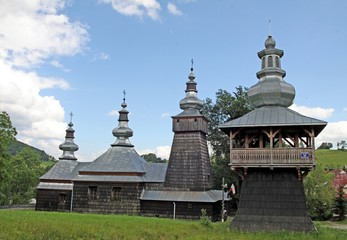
(272, 201)
(189, 164)
(128, 201)
(285, 157)
(51, 200)
(184, 210)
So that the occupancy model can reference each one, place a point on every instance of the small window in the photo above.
(62, 198)
(178, 120)
(278, 62)
(116, 194)
(195, 120)
(92, 192)
(270, 61)
(263, 62)
(190, 205)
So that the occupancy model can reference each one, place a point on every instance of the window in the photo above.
(62, 198)
(92, 192)
(116, 194)
(263, 63)
(190, 205)
(278, 62)
(270, 61)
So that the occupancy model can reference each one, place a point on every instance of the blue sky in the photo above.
(59, 56)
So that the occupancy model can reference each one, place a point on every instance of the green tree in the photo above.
(319, 193)
(339, 207)
(325, 145)
(151, 157)
(7, 136)
(226, 107)
(26, 170)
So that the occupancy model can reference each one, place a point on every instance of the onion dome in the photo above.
(123, 132)
(69, 147)
(191, 103)
(271, 90)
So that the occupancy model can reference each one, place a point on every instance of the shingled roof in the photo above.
(268, 116)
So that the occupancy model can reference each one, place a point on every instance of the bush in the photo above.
(204, 219)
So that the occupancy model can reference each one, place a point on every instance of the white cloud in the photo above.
(101, 56)
(113, 113)
(344, 109)
(30, 33)
(137, 8)
(316, 112)
(165, 115)
(334, 132)
(57, 64)
(34, 30)
(173, 9)
(160, 151)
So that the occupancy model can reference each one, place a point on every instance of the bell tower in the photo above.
(272, 149)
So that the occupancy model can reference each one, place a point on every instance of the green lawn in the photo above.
(331, 158)
(25, 224)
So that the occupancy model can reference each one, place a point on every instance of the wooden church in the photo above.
(272, 148)
(120, 181)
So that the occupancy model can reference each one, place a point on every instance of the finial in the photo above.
(124, 105)
(270, 27)
(71, 115)
(191, 69)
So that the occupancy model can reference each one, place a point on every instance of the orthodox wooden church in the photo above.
(120, 181)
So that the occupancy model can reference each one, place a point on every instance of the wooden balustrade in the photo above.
(265, 157)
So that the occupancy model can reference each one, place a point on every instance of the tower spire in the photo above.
(191, 103)
(271, 90)
(122, 132)
(69, 147)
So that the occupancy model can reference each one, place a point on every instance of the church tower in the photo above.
(189, 163)
(272, 149)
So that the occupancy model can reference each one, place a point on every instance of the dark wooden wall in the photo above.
(184, 210)
(129, 203)
(48, 200)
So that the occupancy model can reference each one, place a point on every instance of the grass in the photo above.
(331, 158)
(26, 224)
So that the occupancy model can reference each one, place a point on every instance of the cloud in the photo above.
(334, 132)
(35, 30)
(173, 9)
(316, 112)
(101, 56)
(160, 151)
(57, 64)
(137, 8)
(32, 32)
(344, 109)
(113, 113)
(165, 115)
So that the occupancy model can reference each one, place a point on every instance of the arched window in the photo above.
(278, 62)
(263, 62)
(270, 61)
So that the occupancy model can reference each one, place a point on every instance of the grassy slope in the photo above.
(331, 158)
(25, 224)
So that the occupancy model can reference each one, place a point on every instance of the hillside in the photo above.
(17, 146)
(331, 158)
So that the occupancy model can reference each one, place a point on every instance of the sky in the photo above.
(62, 56)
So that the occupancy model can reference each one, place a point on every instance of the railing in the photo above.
(271, 157)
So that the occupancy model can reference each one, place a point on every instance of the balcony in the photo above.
(273, 158)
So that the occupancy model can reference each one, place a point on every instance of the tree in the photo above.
(325, 145)
(151, 157)
(339, 207)
(7, 135)
(227, 106)
(320, 193)
(25, 172)
(342, 145)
